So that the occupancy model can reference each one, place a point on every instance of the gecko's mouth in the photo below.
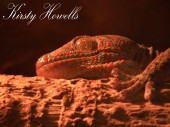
(83, 58)
(75, 65)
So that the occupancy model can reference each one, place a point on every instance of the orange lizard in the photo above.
(93, 57)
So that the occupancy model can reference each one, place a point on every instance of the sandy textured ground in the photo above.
(42, 102)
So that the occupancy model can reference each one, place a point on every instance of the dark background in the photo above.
(145, 21)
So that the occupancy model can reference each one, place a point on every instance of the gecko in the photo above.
(134, 65)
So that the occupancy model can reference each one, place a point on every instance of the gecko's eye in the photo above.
(86, 43)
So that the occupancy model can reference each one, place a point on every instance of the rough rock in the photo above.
(43, 102)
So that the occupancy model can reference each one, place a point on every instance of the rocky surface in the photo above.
(43, 102)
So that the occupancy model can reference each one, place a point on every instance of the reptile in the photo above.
(133, 65)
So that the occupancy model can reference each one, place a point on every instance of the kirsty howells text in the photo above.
(50, 13)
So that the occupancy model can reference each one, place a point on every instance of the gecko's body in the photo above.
(104, 56)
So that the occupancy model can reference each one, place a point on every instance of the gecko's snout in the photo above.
(41, 61)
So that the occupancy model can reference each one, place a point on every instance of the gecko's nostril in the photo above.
(42, 61)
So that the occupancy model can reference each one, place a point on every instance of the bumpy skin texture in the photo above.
(133, 66)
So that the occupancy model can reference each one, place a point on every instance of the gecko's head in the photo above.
(82, 54)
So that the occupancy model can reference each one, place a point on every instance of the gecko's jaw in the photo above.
(73, 66)
(48, 58)
(59, 65)
(94, 57)
(61, 69)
